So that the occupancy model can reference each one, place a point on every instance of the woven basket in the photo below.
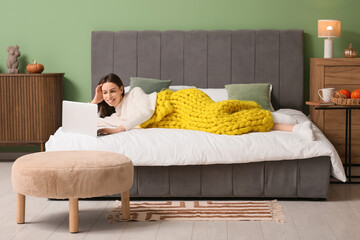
(340, 99)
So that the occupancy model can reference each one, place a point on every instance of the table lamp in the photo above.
(329, 29)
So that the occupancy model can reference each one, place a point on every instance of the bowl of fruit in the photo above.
(345, 97)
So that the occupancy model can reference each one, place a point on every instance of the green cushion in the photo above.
(149, 85)
(258, 92)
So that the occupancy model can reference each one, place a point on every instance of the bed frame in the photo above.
(211, 59)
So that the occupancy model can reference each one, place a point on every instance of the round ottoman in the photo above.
(72, 175)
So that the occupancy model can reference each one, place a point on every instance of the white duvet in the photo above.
(165, 147)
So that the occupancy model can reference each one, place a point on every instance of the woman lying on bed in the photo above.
(120, 112)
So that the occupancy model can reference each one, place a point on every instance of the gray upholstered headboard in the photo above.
(205, 59)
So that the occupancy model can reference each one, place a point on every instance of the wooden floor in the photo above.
(336, 218)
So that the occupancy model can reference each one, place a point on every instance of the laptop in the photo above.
(78, 117)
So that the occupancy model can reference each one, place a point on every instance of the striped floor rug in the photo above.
(200, 211)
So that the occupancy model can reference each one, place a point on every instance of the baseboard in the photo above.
(11, 155)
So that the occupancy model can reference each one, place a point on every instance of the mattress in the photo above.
(176, 147)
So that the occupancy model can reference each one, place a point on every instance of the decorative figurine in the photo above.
(350, 52)
(12, 63)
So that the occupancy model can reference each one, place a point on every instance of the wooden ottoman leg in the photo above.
(125, 205)
(20, 211)
(73, 215)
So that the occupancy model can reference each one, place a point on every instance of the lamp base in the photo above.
(328, 48)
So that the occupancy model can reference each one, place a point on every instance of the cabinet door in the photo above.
(334, 130)
(30, 107)
(339, 77)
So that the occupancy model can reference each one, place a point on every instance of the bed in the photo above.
(184, 163)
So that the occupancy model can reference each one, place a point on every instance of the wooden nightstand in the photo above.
(338, 73)
(30, 107)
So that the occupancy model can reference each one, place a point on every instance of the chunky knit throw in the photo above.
(193, 109)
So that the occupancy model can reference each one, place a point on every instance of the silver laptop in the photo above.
(80, 118)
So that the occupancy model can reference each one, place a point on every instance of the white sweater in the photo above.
(134, 109)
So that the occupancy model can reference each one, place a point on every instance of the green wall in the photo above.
(57, 33)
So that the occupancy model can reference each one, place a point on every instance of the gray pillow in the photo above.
(258, 92)
(149, 85)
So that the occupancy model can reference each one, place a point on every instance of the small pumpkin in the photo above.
(35, 67)
(355, 94)
(345, 92)
(350, 52)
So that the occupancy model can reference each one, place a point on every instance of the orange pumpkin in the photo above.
(35, 67)
(355, 93)
(345, 92)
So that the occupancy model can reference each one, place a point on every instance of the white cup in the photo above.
(326, 93)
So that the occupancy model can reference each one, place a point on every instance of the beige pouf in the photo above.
(72, 175)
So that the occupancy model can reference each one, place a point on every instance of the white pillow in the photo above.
(127, 89)
(271, 106)
(179, 87)
(279, 117)
(216, 94)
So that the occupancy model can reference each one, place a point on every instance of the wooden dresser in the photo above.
(339, 73)
(30, 107)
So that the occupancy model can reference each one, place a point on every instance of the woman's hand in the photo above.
(105, 131)
(98, 95)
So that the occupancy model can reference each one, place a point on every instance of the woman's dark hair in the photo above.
(103, 108)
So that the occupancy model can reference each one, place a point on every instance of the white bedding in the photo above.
(165, 147)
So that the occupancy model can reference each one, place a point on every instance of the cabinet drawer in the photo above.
(335, 120)
(349, 75)
(337, 138)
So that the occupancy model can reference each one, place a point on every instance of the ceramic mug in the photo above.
(326, 93)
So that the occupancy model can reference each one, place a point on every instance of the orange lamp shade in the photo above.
(329, 28)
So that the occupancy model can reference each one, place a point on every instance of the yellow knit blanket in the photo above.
(193, 109)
